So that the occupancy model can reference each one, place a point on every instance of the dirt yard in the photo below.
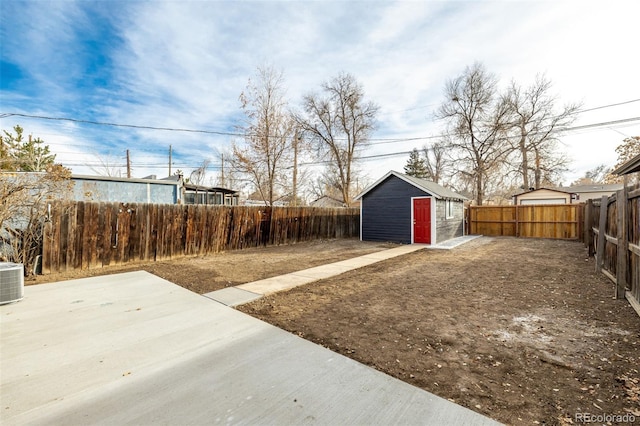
(209, 273)
(521, 330)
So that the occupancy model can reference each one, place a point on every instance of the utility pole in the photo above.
(128, 165)
(295, 169)
(222, 172)
(169, 160)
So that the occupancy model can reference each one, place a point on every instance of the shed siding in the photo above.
(386, 211)
(451, 227)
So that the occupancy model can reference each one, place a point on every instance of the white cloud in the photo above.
(184, 64)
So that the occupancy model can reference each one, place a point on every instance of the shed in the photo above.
(544, 196)
(405, 209)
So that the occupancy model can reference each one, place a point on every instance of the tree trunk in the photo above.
(479, 182)
(525, 160)
(538, 171)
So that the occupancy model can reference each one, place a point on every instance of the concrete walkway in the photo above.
(245, 293)
(134, 349)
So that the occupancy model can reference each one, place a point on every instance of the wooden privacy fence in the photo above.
(612, 234)
(85, 235)
(562, 221)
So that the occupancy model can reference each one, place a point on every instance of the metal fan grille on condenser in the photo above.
(11, 282)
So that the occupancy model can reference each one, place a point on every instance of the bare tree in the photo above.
(597, 175)
(108, 166)
(436, 161)
(628, 149)
(549, 164)
(25, 195)
(477, 120)
(198, 176)
(339, 122)
(268, 131)
(535, 127)
(227, 177)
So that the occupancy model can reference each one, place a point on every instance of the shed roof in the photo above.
(433, 188)
(544, 189)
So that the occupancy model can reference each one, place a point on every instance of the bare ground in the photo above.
(208, 273)
(521, 330)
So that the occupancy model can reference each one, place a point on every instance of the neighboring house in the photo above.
(125, 190)
(592, 192)
(544, 196)
(199, 194)
(404, 209)
(326, 201)
(329, 201)
(171, 190)
(195, 194)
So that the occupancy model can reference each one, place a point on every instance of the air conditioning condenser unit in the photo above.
(11, 282)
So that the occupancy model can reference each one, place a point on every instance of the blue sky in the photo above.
(183, 64)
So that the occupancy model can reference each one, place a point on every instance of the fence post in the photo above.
(588, 232)
(623, 243)
(587, 223)
(602, 228)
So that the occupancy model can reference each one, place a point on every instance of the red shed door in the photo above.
(422, 220)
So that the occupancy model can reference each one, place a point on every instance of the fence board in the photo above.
(78, 214)
(528, 221)
(602, 225)
(82, 235)
(616, 221)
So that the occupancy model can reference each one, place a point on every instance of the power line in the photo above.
(133, 126)
(604, 124)
(607, 106)
(222, 133)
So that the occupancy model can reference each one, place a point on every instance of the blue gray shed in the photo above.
(405, 209)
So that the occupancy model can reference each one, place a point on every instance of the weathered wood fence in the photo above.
(612, 234)
(85, 235)
(561, 221)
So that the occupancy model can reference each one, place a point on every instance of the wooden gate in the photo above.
(560, 221)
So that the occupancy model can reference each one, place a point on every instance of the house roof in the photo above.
(194, 187)
(171, 180)
(200, 188)
(630, 166)
(433, 188)
(592, 188)
(123, 179)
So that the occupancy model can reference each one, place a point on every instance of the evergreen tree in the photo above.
(17, 154)
(415, 165)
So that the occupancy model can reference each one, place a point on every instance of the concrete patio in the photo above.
(136, 349)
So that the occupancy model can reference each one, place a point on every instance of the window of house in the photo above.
(449, 209)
